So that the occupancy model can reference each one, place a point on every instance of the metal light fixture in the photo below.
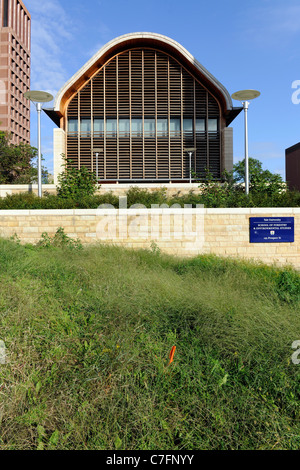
(190, 151)
(245, 96)
(39, 97)
(97, 151)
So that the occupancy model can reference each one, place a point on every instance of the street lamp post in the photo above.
(245, 96)
(190, 151)
(97, 151)
(39, 97)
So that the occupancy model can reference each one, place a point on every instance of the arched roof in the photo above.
(134, 40)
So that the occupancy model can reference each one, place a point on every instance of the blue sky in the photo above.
(252, 44)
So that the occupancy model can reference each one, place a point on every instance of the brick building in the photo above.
(15, 34)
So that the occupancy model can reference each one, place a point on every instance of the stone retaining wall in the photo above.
(183, 232)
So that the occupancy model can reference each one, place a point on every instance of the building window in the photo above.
(124, 127)
(136, 127)
(162, 127)
(5, 13)
(98, 126)
(175, 126)
(149, 127)
(111, 127)
(188, 126)
(72, 126)
(213, 125)
(200, 125)
(85, 126)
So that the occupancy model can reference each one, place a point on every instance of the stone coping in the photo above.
(170, 210)
(107, 185)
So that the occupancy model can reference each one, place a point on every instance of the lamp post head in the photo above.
(38, 96)
(245, 95)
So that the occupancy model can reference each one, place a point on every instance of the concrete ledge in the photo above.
(169, 210)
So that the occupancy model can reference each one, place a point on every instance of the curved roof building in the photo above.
(132, 111)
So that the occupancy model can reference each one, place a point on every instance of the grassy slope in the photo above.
(88, 334)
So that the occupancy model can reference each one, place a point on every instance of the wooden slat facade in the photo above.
(143, 108)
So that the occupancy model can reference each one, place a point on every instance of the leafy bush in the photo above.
(136, 195)
(60, 239)
(76, 183)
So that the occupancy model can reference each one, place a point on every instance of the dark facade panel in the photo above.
(292, 164)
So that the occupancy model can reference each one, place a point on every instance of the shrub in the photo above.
(60, 239)
(136, 195)
(76, 183)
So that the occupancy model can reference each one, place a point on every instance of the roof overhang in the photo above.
(134, 40)
(53, 115)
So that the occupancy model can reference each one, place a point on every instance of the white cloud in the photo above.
(50, 30)
(272, 24)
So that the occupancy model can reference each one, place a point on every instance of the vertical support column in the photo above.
(181, 121)
(207, 135)
(22, 24)
(39, 110)
(246, 106)
(143, 110)
(156, 144)
(79, 131)
(10, 14)
(18, 26)
(29, 34)
(25, 29)
(92, 128)
(169, 138)
(220, 126)
(130, 117)
(195, 121)
(14, 14)
(59, 149)
(104, 119)
(118, 131)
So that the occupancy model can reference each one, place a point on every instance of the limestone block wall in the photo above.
(182, 232)
(117, 189)
(9, 189)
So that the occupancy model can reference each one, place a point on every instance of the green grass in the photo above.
(88, 333)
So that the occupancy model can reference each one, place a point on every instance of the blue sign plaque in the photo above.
(272, 230)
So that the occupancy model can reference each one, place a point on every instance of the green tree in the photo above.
(76, 183)
(260, 181)
(16, 162)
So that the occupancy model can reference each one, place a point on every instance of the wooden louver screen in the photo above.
(143, 108)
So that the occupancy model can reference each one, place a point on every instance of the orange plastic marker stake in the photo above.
(172, 354)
